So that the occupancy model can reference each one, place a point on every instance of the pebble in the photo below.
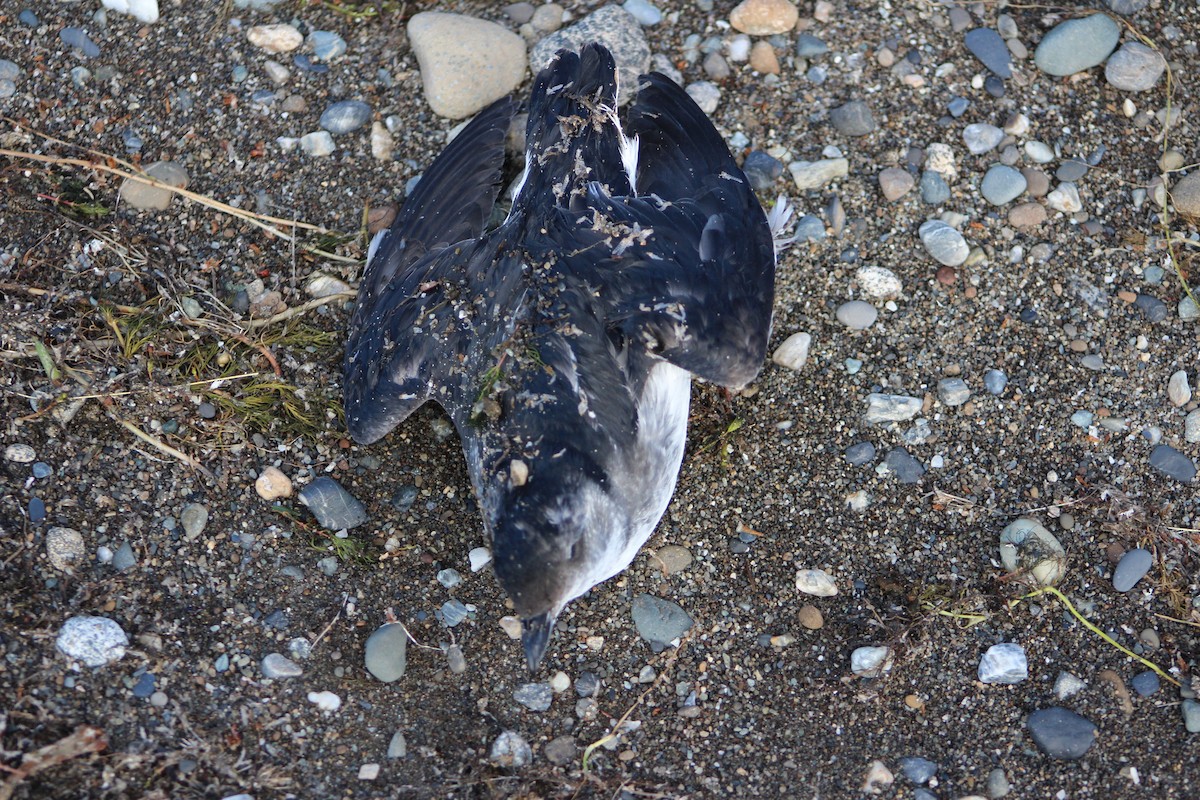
(988, 46)
(870, 662)
(345, 116)
(810, 229)
(859, 453)
(278, 667)
(144, 686)
(763, 58)
(1076, 45)
(449, 578)
(465, 62)
(453, 612)
(78, 38)
(1060, 733)
(1187, 309)
(645, 13)
(479, 557)
(386, 652)
(65, 548)
(1004, 663)
(37, 510)
(994, 381)
(810, 617)
(398, 746)
(1039, 152)
(764, 17)
(998, 784)
(918, 770)
(793, 353)
(980, 137)
(1002, 184)
(1191, 427)
(878, 283)
(334, 508)
(1065, 199)
(534, 696)
(672, 559)
(327, 702)
(1145, 683)
(511, 751)
(549, 17)
(890, 408)
(1191, 715)
(1172, 463)
(815, 174)
(193, 518)
(124, 559)
(894, 183)
(1071, 170)
(953, 391)
(1067, 685)
(857, 315)
(326, 45)
(28, 18)
(95, 641)
(1153, 309)
(278, 38)
(809, 46)
(958, 106)
(20, 453)
(611, 26)
(705, 94)
(1026, 546)
(853, 119)
(561, 750)
(944, 243)
(762, 169)
(903, 465)
(317, 143)
(142, 195)
(272, 484)
(815, 582)
(1027, 215)
(1186, 196)
(1179, 390)
(659, 620)
(716, 67)
(934, 189)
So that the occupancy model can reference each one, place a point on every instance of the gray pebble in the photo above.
(1155, 310)
(944, 243)
(763, 170)
(857, 314)
(334, 507)
(345, 116)
(1071, 170)
(1060, 733)
(1134, 68)
(860, 453)
(1172, 463)
(453, 613)
(455, 660)
(705, 94)
(1077, 44)
(953, 391)
(193, 518)
(918, 770)
(644, 12)
(659, 620)
(317, 143)
(1188, 310)
(124, 558)
(78, 38)
(326, 45)
(65, 548)
(534, 696)
(809, 46)
(1132, 567)
(449, 578)
(1039, 152)
(561, 750)
(520, 13)
(997, 784)
(386, 652)
(398, 746)
(958, 106)
(95, 641)
(28, 18)
(1145, 683)
(511, 751)
(810, 229)
(144, 686)
(988, 46)
(1004, 663)
(277, 666)
(1191, 427)
(1002, 184)
(1127, 7)
(980, 137)
(994, 381)
(870, 662)
(853, 119)
(716, 67)
(1191, 715)
(328, 566)
(890, 408)
(906, 468)
(1067, 685)
(934, 189)
(587, 684)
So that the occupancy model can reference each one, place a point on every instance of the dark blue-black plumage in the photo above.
(561, 342)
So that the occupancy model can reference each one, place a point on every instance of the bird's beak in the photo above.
(535, 637)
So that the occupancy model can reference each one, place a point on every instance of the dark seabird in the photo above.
(562, 342)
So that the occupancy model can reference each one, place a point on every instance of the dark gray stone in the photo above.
(659, 620)
(1060, 733)
(853, 119)
(334, 507)
(1172, 463)
(906, 468)
(987, 45)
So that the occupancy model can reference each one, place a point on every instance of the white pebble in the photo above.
(326, 701)
(793, 353)
(479, 557)
(815, 582)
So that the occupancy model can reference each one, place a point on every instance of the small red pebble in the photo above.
(946, 275)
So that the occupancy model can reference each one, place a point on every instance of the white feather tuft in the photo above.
(779, 218)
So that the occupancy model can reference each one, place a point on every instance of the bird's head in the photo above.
(554, 538)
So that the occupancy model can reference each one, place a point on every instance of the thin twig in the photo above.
(300, 309)
(158, 444)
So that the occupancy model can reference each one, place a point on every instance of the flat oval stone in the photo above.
(1060, 733)
(1002, 184)
(988, 46)
(466, 63)
(1077, 44)
(345, 116)
(945, 244)
(1132, 567)
(857, 314)
(386, 653)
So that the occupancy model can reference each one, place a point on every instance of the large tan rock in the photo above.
(466, 63)
(764, 17)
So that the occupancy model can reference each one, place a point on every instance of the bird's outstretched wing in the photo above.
(410, 317)
(692, 272)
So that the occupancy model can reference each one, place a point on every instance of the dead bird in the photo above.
(562, 342)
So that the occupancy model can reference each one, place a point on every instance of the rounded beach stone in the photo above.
(764, 17)
(466, 63)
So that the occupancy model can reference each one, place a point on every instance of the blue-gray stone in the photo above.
(808, 46)
(860, 453)
(222, 663)
(906, 468)
(28, 18)
(1060, 733)
(659, 620)
(277, 666)
(1083, 418)
(9, 71)
(1145, 683)
(1127, 7)
(132, 140)
(994, 86)
(144, 687)
(1071, 170)
(404, 497)
(80, 76)
(644, 12)
(449, 578)
(762, 169)
(78, 38)
(262, 97)
(918, 770)
(934, 189)
(306, 64)
(239, 73)
(853, 119)
(1077, 44)
(988, 46)
(124, 558)
(334, 507)
(1174, 464)
(994, 381)
(326, 45)
(386, 652)
(1132, 567)
(277, 619)
(1153, 274)
(587, 684)
(453, 612)
(958, 106)
(1152, 308)
(810, 229)
(345, 116)
(37, 510)
(41, 470)
(1191, 715)
(1002, 184)
(980, 137)
(534, 696)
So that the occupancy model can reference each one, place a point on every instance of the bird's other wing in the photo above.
(693, 273)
